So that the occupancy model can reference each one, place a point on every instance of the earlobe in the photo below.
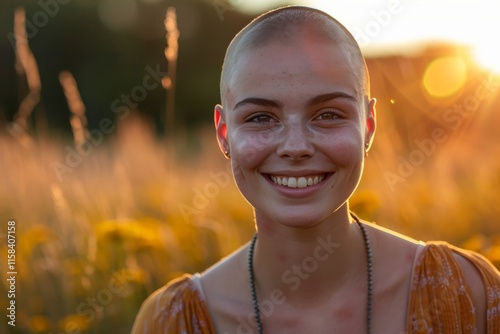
(221, 129)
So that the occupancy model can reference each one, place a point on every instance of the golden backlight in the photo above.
(382, 26)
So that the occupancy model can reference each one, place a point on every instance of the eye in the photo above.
(261, 118)
(328, 115)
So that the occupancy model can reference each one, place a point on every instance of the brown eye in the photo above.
(261, 119)
(329, 115)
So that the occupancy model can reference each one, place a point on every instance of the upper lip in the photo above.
(296, 173)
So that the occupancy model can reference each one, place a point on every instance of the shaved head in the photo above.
(286, 25)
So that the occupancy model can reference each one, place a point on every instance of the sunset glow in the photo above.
(398, 26)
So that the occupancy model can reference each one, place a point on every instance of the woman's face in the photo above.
(295, 122)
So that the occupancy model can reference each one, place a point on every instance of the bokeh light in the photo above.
(444, 77)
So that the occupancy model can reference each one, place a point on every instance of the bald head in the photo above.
(285, 25)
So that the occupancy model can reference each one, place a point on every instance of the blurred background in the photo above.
(110, 168)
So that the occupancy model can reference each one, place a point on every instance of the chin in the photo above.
(294, 217)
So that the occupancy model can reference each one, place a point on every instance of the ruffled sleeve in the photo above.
(174, 309)
(440, 299)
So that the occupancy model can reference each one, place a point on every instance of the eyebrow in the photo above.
(330, 96)
(259, 102)
(315, 100)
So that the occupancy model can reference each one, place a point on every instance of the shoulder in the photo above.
(173, 308)
(395, 248)
(443, 276)
(226, 273)
(473, 267)
(472, 276)
(226, 279)
(384, 235)
(392, 253)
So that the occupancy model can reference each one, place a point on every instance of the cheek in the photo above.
(351, 151)
(249, 149)
(344, 149)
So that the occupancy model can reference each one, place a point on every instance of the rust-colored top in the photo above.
(440, 300)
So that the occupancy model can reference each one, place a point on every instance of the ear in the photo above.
(221, 128)
(371, 123)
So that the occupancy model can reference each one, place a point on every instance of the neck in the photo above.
(308, 264)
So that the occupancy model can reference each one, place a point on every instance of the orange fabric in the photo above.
(176, 308)
(440, 301)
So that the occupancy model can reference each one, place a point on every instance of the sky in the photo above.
(395, 26)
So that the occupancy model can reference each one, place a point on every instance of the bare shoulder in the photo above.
(393, 261)
(225, 278)
(230, 265)
(387, 241)
(403, 250)
(394, 257)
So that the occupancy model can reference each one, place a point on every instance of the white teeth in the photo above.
(301, 182)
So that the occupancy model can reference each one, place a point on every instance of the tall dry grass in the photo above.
(125, 221)
(117, 214)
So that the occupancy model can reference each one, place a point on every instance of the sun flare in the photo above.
(386, 26)
(487, 55)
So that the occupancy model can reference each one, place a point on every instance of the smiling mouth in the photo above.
(297, 182)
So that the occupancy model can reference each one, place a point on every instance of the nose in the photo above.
(296, 142)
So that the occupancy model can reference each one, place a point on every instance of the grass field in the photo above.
(98, 231)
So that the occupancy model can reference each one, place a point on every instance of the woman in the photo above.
(296, 121)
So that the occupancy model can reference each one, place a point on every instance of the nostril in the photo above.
(295, 143)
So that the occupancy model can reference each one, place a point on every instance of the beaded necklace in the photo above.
(369, 274)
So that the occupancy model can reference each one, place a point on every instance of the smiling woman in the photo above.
(306, 107)
(297, 121)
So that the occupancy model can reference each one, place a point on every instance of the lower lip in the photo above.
(298, 192)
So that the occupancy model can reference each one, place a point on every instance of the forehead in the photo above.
(294, 68)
